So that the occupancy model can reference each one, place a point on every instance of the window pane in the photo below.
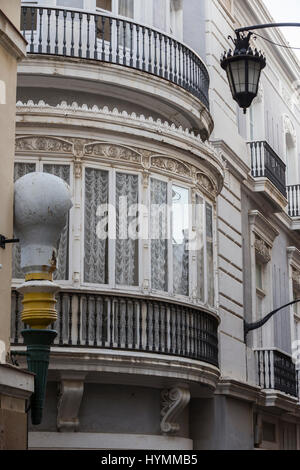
(127, 187)
(95, 218)
(210, 255)
(126, 8)
(104, 4)
(158, 235)
(70, 3)
(20, 170)
(159, 14)
(180, 238)
(62, 269)
(28, 19)
(200, 247)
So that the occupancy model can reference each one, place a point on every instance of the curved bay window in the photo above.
(157, 238)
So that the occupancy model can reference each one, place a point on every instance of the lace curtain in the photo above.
(180, 240)
(126, 246)
(158, 235)
(62, 265)
(20, 170)
(200, 247)
(209, 255)
(95, 246)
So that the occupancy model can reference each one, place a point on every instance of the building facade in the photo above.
(126, 101)
(16, 385)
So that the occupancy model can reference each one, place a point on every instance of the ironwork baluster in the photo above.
(140, 326)
(147, 326)
(64, 39)
(72, 34)
(179, 65)
(40, 46)
(134, 325)
(166, 328)
(80, 36)
(137, 46)
(103, 40)
(160, 328)
(79, 320)
(95, 319)
(88, 19)
(143, 57)
(61, 314)
(118, 39)
(96, 37)
(153, 327)
(131, 45)
(166, 57)
(161, 72)
(150, 50)
(119, 323)
(171, 60)
(155, 52)
(32, 29)
(111, 319)
(110, 40)
(56, 31)
(70, 318)
(126, 324)
(124, 42)
(87, 320)
(175, 62)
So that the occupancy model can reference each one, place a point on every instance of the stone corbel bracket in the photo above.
(70, 396)
(173, 402)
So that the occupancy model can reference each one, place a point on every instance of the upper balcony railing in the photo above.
(70, 33)
(276, 371)
(293, 193)
(141, 324)
(267, 164)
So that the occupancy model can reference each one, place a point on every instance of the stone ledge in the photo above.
(15, 381)
(11, 39)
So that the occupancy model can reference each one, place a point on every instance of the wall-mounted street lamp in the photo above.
(42, 202)
(243, 66)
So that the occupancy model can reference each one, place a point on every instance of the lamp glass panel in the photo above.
(254, 73)
(238, 69)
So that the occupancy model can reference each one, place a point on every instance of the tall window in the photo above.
(173, 244)
(260, 295)
(104, 4)
(104, 191)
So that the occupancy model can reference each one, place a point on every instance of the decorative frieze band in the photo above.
(80, 150)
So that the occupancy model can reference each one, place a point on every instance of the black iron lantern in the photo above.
(243, 69)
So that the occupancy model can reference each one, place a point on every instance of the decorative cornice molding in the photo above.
(87, 149)
(173, 402)
(262, 227)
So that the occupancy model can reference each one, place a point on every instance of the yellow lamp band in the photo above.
(39, 277)
(39, 309)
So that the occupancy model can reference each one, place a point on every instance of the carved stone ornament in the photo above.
(171, 165)
(112, 152)
(70, 396)
(262, 251)
(173, 402)
(205, 183)
(43, 143)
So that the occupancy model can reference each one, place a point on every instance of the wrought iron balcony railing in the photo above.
(276, 371)
(266, 163)
(293, 195)
(71, 33)
(107, 321)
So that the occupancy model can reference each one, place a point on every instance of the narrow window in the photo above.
(180, 239)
